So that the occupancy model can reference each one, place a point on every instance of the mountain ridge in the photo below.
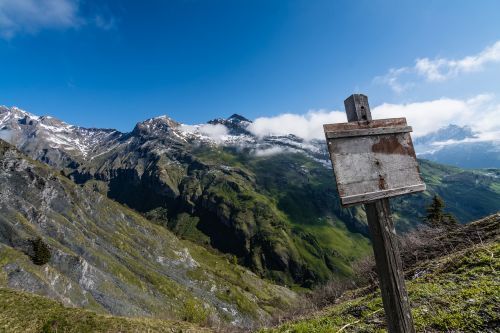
(271, 201)
(442, 145)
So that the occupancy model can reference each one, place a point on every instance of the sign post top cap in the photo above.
(357, 108)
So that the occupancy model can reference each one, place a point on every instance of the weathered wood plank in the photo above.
(389, 267)
(389, 122)
(368, 131)
(384, 163)
(373, 196)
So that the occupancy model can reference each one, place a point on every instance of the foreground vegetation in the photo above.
(452, 279)
(24, 312)
(455, 292)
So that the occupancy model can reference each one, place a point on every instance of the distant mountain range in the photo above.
(270, 202)
(459, 146)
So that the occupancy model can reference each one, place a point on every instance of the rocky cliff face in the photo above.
(110, 259)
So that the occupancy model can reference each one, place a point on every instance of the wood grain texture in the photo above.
(372, 167)
(389, 268)
(367, 131)
(357, 108)
(389, 122)
(374, 196)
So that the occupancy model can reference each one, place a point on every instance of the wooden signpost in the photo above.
(374, 160)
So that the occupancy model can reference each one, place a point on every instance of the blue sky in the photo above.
(114, 63)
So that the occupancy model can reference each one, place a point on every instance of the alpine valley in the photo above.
(187, 222)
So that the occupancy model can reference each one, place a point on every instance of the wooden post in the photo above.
(385, 246)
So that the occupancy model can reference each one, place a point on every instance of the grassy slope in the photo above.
(456, 292)
(124, 247)
(24, 312)
(327, 237)
(294, 187)
(297, 185)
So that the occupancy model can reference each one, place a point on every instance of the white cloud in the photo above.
(451, 142)
(392, 79)
(307, 126)
(105, 22)
(270, 151)
(439, 69)
(481, 113)
(31, 16)
(216, 132)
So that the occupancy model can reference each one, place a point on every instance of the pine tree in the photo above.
(41, 251)
(436, 217)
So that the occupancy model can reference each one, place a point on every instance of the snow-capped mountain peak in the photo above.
(55, 139)
(14, 112)
(158, 126)
(236, 118)
(236, 124)
(460, 146)
(450, 132)
(43, 133)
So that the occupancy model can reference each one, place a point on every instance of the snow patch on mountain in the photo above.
(15, 112)
(460, 146)
(25, 129)
(451, 135)
(20, 127)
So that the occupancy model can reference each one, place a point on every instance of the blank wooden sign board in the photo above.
(374, 160)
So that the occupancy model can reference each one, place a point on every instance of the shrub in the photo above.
(41, 252)
(364, 271)
(194, 312)
(436, 217)
(328, 293)
(158, 215)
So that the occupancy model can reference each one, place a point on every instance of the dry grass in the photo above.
(418, 246)
(454, 293)
(24, 312)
